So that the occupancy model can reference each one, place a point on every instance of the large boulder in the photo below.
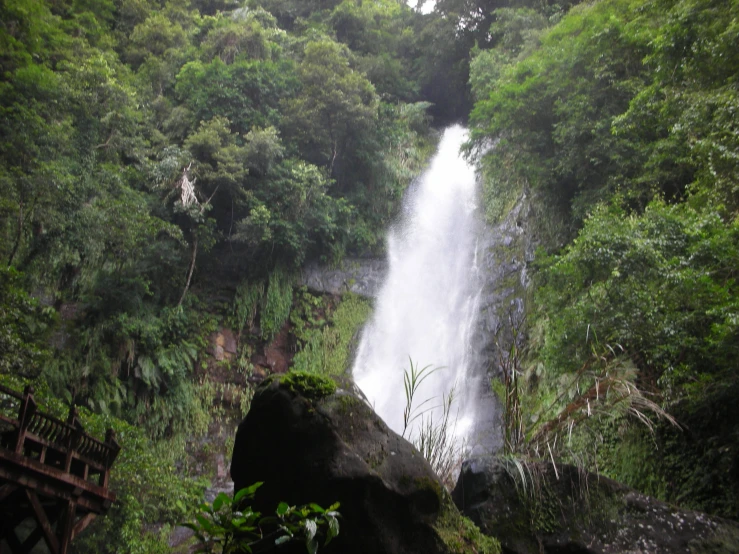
(536, 508)
(314, 439)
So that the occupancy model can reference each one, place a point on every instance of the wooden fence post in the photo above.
(74, 439)
(27, 409)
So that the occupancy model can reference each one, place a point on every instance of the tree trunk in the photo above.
(18, 236)
(192, 268)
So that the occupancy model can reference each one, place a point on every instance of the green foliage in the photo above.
(246, 92)
(326, 332)
(149, 486)
(291, 213)
(335, 104)
(614, 122)
(341, 333)
(225, 400)
(659, 289)
(552, 110)
(24, 327)
(626, 455)
(311, 385)
(246, 303)
(228, 525)
(660, 285)
(381, 34)
(693, 468)
(402, 147)
(277, 303)
(611, 98)
(516, 32)
(680, 121)
(151, 154)
(413, 378)
(153, 358)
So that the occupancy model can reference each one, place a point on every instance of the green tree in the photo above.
(157, 36)
(335, 104)
(552, 113)
(25, 327)
(247, 92)
(291, 216)
(661, 285)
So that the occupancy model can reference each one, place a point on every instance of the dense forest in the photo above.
(167, 167)
(618, 123)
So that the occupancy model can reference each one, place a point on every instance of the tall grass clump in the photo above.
(434, 437)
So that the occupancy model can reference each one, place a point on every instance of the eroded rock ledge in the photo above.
(363, 276)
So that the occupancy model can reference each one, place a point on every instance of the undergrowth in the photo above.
(325, 329)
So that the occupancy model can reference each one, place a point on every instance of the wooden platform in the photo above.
(53, 476)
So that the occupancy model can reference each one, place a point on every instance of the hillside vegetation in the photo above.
(168, 166)
(618, 122)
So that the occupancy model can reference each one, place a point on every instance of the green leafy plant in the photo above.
(228, 525)
(437, 442)
(245, 305)
(509, 359)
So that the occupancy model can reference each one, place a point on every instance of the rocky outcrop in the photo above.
(222, 345)
(363, 276)
(504, 252)
(312, 439)
(536, 508)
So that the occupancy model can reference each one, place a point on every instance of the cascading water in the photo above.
(427, 308)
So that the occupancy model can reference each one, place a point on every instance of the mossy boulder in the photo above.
(535, 508)
(309, 441)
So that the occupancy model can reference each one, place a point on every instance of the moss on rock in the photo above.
(460, 534)
(311, 385)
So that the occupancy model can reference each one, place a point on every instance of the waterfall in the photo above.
(427, 308)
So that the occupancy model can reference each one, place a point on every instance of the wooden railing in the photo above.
(53, 442)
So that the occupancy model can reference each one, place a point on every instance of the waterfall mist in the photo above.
(427, 308)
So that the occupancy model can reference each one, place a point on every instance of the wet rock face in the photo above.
(505, 250)
(309, 444)
(569, 511)
(363, 276)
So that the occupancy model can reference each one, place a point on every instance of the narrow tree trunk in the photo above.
(192, 268)
(231, 226)
(18, 237)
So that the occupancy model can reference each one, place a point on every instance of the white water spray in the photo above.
(428, 306)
